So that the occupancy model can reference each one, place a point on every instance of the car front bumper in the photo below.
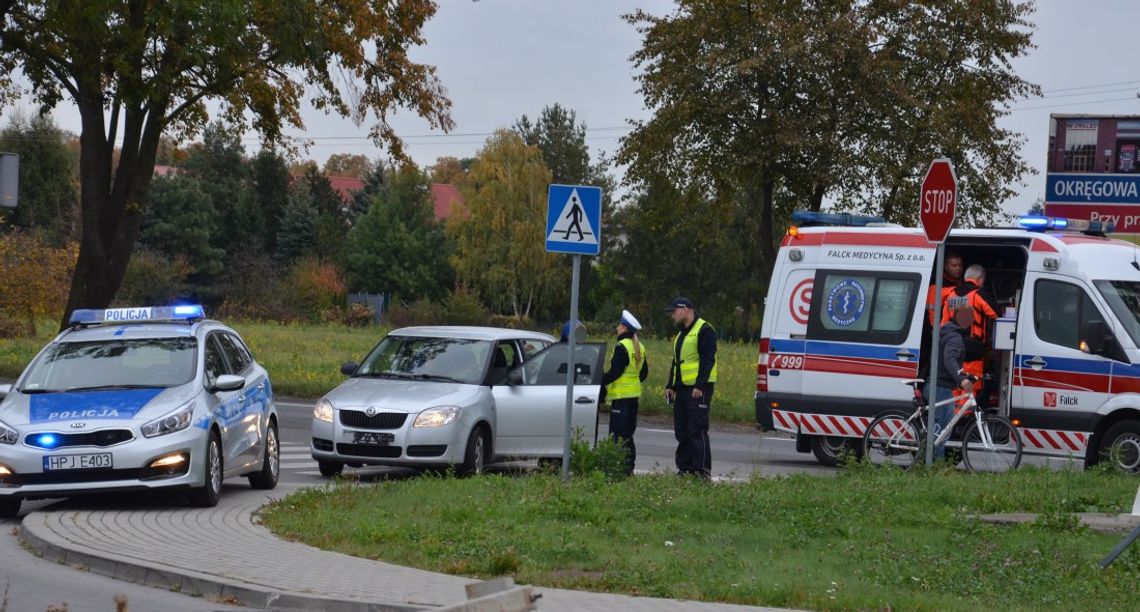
(409, 446)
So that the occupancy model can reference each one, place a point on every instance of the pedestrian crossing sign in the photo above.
(574, 219)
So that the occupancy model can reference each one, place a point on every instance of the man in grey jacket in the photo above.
(952, 348)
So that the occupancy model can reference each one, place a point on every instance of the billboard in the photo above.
(1092, 171)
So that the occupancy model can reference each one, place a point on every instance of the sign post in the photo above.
(573, 226)
(9, 180)
(937, 203)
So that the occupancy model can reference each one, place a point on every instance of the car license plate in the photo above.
(89, 461)
(367, 437)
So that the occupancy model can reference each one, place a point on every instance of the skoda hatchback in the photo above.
(137, 399)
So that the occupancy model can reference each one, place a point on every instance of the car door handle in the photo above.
(1036, 363)
(904, 354)
(583, 400)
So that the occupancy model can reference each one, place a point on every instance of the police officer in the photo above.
(951, 278)
(629, 367)
(972, 292)
(690, 387)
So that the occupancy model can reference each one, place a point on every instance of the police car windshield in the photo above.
(443, 359)
(1124, 299)
(113, 364)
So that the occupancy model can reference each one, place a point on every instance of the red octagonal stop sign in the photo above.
(938, 200)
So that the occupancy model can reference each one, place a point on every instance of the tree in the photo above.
(138, 70)
(332, 214)
(33, 276)
(451, 171)
(346, 164)
(219, 165)
(48, 195)
(297, 227)
(500, 246)
(769, 105)
(180, 221)
(271, 191)
(398, 247)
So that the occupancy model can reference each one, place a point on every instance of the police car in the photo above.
(137, 399)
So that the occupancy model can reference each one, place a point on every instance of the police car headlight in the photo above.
(7, 434)
(437, 417)
(170, 422)
(323, 411)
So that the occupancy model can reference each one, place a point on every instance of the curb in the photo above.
(211, 588)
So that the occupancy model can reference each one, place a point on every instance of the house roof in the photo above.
(345, 186)
(448, 201)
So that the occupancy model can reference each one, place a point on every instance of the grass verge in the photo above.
(304, 360)
(865, 539)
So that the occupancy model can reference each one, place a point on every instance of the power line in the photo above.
(1048, 91)
(1077, 95)
(1063, 104)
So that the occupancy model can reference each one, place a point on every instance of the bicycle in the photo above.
(989, 444)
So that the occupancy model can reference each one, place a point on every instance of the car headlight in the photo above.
(7, 434)
(171, 422)
(323, 411)
(437, 417)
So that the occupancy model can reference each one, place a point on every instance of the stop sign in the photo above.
(938, 200)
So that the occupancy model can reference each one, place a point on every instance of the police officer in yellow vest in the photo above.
(690, 387)
(629, 367)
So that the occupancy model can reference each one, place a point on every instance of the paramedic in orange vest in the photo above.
(972, 292)
(951, 278)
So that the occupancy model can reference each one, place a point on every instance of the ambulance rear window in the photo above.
(862, 306)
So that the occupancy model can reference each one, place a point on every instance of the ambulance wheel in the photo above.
(330, 469)
(206, 496)
(1121, 448)
(9, 507)
(834, 451)
(266, 477)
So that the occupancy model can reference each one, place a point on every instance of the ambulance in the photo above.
(845, 320)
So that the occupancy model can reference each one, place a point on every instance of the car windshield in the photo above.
(1124, 299)
(113, 364)
(445, 359)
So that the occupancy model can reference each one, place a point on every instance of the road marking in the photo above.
(290, 465)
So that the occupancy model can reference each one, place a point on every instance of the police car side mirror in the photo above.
(5, 390)
(348, 368)
(228, 382)
(1095, 338)
(515, 377)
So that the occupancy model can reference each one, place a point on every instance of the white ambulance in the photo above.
(845, 320)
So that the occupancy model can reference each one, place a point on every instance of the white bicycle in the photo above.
(989, 444)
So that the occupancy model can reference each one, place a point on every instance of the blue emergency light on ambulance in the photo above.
(848, 312)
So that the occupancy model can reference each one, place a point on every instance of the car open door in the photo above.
(530, 408)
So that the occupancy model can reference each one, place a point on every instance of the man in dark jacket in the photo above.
(690, 387)
(951, 376)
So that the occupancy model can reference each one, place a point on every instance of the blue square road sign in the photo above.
(574, 219)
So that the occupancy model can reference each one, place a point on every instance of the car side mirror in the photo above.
(515, 377)
(228, 382)
(348, 368)
(1095, 338)
(5, 390)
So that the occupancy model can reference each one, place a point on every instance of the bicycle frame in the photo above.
(970, 405)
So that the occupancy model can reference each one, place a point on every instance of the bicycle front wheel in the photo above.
(995, 447)
(892, 439)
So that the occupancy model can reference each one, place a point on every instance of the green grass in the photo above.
(304, 360)
(865, 539)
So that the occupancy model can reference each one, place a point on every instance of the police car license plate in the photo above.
(89, 461)
(367, 437)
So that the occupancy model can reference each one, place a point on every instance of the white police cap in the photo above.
(630, 321)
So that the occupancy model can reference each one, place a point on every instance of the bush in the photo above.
(34, 277)
(11, 328)
(607, 458)
(512, 322)
(464, 308)
(358, 315)
(154, 279)
(316, 287)
(420, 312)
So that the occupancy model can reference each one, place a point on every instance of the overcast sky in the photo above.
(500, 59)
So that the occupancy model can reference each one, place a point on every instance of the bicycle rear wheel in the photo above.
(996, 447)
(891, 439)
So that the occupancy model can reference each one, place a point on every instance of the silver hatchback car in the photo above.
(456, 396)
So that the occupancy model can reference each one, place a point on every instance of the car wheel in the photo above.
(206, 496)
(9, 507)
(475, 459)
(833, 451)
(1121, 448)
(266, 478)
(330, 469)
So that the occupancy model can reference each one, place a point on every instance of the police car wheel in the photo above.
(833, 451)
(475, 458)
(206, 496)
(9, 507)
(1122, 447)
(329, 469)
(266, 478)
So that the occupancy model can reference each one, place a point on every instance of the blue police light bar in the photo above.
(187, 312)
(807, 218)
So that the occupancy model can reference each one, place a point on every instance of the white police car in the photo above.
(137, 399)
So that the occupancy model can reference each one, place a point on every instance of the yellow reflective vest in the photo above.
(628, 385)
(690, 357)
